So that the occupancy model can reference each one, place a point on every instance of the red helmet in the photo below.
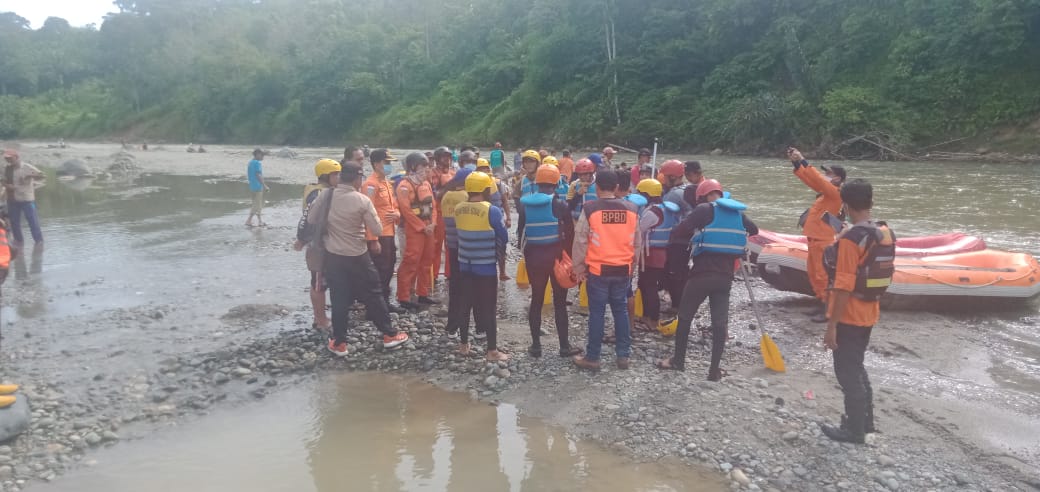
(673, 167)
(708, 186)
(584, 166)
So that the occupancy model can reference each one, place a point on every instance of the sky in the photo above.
(77, 12)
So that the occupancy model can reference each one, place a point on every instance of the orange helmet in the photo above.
(584, 166)
(708, 186)
(673, 167)
(547, 174)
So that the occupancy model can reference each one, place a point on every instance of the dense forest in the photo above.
(744, 75)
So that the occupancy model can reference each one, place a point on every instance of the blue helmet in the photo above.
(597, 159)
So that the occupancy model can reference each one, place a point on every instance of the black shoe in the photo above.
(819, 318)
(426, 301)
(570, 351)
(534, 351)
(841, 435)
(395, 309)
(409, 305)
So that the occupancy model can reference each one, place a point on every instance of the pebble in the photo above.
(242, 371)
(491, 381)
(612, 407)
(109, 436)
(790, 436)
(738, 476)
(725, 467)
(93, 439)
(885, 461)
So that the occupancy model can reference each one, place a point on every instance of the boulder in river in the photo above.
(123, 162)
(286, 153)
(74, 168)
(15, 418)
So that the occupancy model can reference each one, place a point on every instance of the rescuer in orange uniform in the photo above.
(814, 221)
(419, 217)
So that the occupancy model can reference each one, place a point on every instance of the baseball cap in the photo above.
(380, 155)
(10, 153)
(838, 171)
(596, 159)
(609, 150)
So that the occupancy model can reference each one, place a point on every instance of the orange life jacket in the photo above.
(612, 228)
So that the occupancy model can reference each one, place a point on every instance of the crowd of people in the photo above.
(616, 231)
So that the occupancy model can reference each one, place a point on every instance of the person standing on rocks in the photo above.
(380, 190)
(439, 176)
(658, 219)
(608, 158)
(450, 197)
(859, 268)
(342, 218)
(636, 171)
(683, 195)
(480, 225)
(531, 160)
(606, 245)
(815, 223)
(415, 202)
(546, 230)
(566, 166)
(20, 182)
(717, 231)
(327, 171)
(257, 186)
(355, 155)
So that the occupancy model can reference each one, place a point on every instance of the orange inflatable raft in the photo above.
(939, 244)
(988, 278)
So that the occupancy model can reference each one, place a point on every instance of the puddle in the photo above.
(371, 432)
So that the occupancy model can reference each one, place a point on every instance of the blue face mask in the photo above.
(470, 166)
(388, 169)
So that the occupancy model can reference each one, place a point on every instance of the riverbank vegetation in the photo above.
(744, 75)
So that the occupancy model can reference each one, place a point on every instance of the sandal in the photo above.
(463, 349)
(320, 328)
(570, 351)
(666, 365)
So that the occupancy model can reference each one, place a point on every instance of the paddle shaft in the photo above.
(746, 270)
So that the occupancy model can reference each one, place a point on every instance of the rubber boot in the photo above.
(868, 426)
(851, 429)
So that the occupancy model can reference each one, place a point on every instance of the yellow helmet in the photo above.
(668, 328)
(651, 187)
(482, 162)
(477, 182)
(531, 154)
(550, 160)
(326, 166)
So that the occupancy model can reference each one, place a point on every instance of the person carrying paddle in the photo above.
(860, 267)
(814, 222)
(717, 231)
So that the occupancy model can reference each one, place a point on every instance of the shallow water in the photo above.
(375, 433)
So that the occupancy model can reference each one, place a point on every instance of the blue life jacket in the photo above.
(639, 200)
(561, 189)
(726, 233)
(540, 226)
(659, 235)
(589, 196)
(527, 187)
(476, 235)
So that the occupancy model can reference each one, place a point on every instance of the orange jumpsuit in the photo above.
(819, 233)
(438, 178)
(415, 201)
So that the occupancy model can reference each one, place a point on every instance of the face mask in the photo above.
(388, 169)
(470, 166)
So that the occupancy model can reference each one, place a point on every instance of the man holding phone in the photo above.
(815, 222)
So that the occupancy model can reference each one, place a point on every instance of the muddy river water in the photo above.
(177, 243)
(375, 433)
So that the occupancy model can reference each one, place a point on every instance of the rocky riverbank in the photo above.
(758, 429)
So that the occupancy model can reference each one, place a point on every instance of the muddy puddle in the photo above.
(375, 433)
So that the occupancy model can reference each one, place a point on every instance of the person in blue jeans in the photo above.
(606, 242)
(20, 182)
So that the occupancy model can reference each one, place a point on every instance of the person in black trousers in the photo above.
(716, 248)
(546, 230)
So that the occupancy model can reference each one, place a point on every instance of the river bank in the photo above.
(180, 312)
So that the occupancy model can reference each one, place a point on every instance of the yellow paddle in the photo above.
(770, 352)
